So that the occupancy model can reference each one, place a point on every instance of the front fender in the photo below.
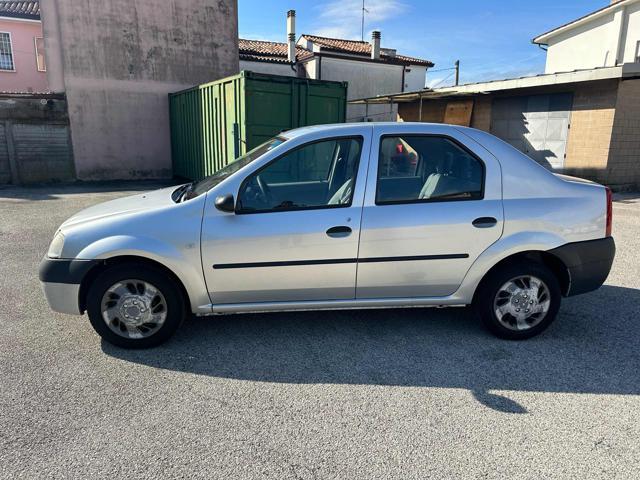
(184, 263)
(505, 247)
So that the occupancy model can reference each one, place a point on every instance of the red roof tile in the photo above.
(362, 48)
(28, 10)
(259, 50)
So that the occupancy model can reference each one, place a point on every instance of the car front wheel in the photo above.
(518, 300)
(135, 306)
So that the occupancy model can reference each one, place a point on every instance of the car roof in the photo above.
(349, 127)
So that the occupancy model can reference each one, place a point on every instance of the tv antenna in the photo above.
(364, 10)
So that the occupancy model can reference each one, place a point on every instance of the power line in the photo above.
(441, 81)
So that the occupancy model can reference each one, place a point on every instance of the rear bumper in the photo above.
(588, 262)
(61, 279)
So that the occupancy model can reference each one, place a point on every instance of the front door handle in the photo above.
(484, 222)
(339, 232)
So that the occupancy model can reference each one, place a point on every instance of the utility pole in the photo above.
(457, 67)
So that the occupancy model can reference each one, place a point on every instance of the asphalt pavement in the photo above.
(400, 393)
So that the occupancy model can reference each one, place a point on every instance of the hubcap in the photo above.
(522, 302)
(134, 308)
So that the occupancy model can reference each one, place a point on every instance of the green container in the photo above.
(215, 123)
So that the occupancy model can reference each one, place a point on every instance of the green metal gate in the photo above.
(214, 123)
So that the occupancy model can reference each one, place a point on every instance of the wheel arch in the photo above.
(107, 263)
(551, 261)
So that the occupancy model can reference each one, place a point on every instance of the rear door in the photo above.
(433, 205)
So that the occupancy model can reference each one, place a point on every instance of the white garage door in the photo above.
(537, 125)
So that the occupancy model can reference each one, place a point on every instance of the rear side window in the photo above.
(418, 168)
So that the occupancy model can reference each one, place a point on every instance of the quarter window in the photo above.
(316, 175)
(6, 52)
(417, 168)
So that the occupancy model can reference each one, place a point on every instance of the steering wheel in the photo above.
(265, 191)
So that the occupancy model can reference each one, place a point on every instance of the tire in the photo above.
(491, 298)
(152, 302)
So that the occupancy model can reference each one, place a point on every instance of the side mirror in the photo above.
(226, 203)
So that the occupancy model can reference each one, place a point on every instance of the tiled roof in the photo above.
(28, 10)
(362, 48)
(261, 51)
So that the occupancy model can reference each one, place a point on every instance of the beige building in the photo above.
(581, 121)
(117, 60)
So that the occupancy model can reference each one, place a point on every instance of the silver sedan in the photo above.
(334, 217)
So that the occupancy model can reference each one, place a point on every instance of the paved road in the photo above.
(370, 394)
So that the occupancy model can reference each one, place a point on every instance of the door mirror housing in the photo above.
(226, 203)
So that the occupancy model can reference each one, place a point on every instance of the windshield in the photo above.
(207, 183)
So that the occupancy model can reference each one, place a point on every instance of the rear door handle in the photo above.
(484, 222)
(339, 232)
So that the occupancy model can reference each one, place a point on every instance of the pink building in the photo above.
(22, 62)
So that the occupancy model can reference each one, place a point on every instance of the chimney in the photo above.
(291, 36)
(375, 45)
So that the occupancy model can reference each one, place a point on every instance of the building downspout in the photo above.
(53, 45)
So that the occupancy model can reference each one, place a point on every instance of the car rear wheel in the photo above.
(518, 300)
(135, 306)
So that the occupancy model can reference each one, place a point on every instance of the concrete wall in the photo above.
(605, 41)
(34, 139)
(268, 68)
(117, 60)
(26, 77)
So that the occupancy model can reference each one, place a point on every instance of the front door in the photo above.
(294, 236)
(432, 208)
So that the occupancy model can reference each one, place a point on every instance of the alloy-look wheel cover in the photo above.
(134, 308)
(522, 303)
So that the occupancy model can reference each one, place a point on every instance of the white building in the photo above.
(604, 38)
(368, 68)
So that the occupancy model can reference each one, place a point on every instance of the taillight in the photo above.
(609, 212)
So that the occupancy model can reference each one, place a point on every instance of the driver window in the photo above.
(316, 175)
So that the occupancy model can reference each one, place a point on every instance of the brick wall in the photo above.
(591, 127)
(35, 145)
(481, 118)
(623, 167)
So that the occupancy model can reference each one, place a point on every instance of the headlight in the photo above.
(55, 249)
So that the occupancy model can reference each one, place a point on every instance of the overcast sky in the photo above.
(491, 38)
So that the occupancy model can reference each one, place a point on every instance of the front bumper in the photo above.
(63, 297)
(61, 280)
(588, 262)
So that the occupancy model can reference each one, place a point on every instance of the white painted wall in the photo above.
(268, 68)
(365, 79)
(632, 33)
(604, 41)
(414, 78)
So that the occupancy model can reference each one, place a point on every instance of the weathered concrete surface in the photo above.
(35, 145)
(117, 60)
(405, 393)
